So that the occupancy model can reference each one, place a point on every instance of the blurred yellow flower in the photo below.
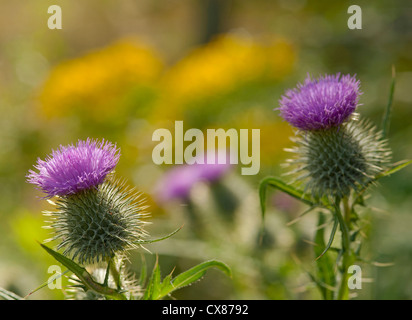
(220, 66)
(91, 83)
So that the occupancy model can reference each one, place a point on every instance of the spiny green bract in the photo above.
(335, 161)
(95, 224)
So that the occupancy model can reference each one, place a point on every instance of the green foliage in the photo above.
(349, 252)
(158, 289)
(85, 276)
(394, 168)
(325, 277)
(339, 166)
(50, 280)
(115, 102)
(284, 187)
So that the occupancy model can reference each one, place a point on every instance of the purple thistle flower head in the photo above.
(73, 168)
(320, 103)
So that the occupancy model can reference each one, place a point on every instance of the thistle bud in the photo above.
(96, 224)
(335, 161)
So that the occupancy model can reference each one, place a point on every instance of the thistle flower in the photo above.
(335, 153)
(73, 168)
(96, 224)
(96, 217)
(320, 104)
(177, 183)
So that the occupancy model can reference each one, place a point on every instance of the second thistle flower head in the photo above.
(178, 182)
(74, 168)
(335, 153)
(321, 103)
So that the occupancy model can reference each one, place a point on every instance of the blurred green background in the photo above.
(121, 69)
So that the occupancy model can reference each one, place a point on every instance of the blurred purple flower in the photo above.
(177, 182)
(73, 168)
(320, 103)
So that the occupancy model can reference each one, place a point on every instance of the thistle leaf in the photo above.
(165, 285)
(143, 272)
(196, 273)
(57, 276)
(282, 186)
(159, 239)
(83, 275)
(158, 289)
(325, 265)
(153, 287)
(331, 237)
(394, 168)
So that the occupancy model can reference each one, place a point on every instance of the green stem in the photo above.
(346, 211)
(96, 287)
(343, 289)
(115, 273)
(85, 276)
(106, 277)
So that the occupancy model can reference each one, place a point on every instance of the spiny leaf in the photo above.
(282, 186)
(71, 265)
(160, 239)
(165, 285)
(331, 237)
(197, 272)
(143, 272)
(324, 266)
(55, 277)
(153, 287)
(83, 275)
(394, 168)
(158, 289)
(156, 282)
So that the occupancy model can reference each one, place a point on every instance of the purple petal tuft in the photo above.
(73, 168)
(320, 103)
